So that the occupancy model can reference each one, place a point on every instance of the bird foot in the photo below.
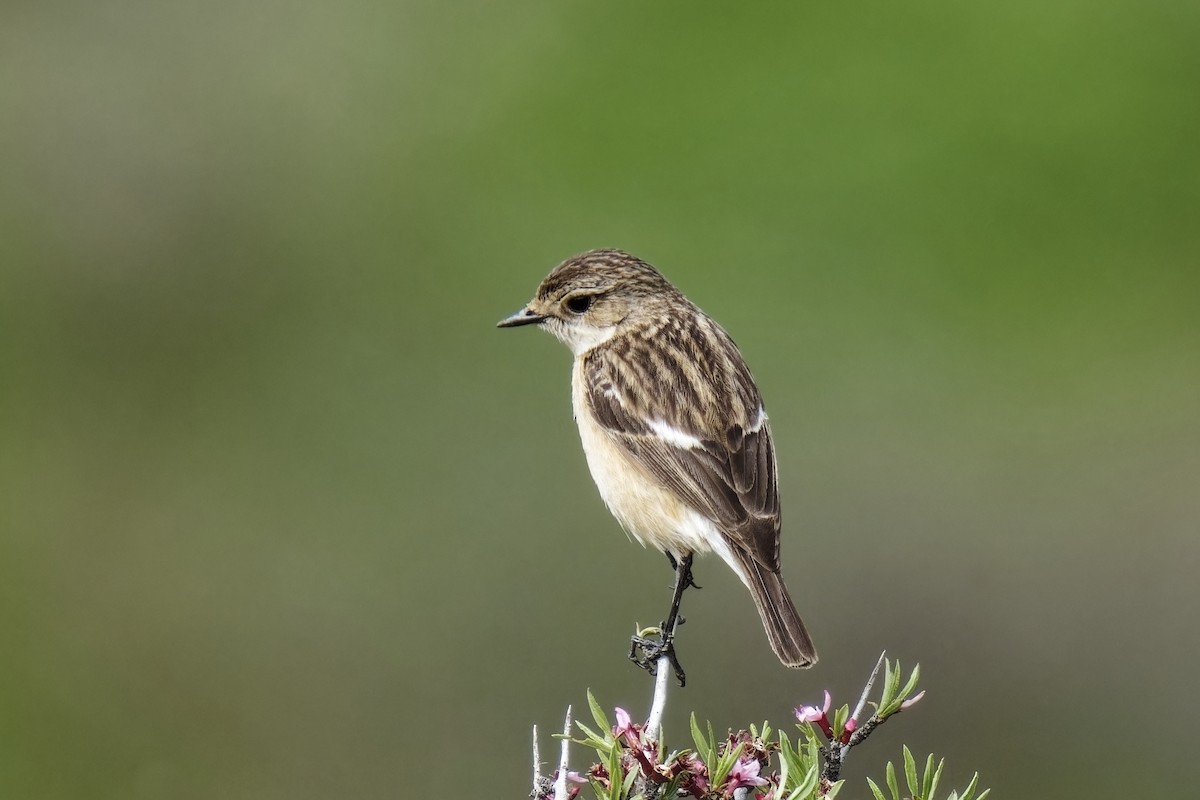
(648, 646)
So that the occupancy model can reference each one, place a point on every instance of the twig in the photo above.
(865, 731)
(658, 704)
(836, 752)
(560, 785)
(537, 762)
(866, 692)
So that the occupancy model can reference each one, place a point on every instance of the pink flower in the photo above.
(912, 701)
(818, 715)
(628, 728)
(812, 713)
(695, 776)
(744, 773)
(599, 773)
(644, 751)
(574, 777)
(848, 731)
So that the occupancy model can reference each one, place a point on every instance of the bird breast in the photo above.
(646, 510)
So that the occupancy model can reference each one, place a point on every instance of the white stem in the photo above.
(862, 701)
(537, 763)
(866, 692)
(659, 703)
(560, 785)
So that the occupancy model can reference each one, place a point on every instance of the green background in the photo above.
(282, 515)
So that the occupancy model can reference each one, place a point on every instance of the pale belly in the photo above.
(646, 510)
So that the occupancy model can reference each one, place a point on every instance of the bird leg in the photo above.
(688, 579)
(646, 651)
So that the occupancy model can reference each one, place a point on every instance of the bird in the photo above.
(674, 432)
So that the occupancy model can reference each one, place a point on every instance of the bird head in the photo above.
(588, 299)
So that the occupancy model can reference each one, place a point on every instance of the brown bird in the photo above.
(674, 432)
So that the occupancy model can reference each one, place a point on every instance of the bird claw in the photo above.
(647, 646)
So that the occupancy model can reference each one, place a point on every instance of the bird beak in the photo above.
(522, 317)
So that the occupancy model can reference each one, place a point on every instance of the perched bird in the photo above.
(674, 431)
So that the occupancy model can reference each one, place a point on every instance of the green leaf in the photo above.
(896, 698)
(598, 713)
(725, 764)
(671, 787)
(927, 778)
(886, 690)
(896, 695)
(912, 683)
(798, 771)
(875, 790)
(629, 781)
(808, 786)
(704, 747)
(593, 740)
(840, 716)
(970, 790)
(614, 774)
(910, 773)
(812, 749)
(891, 782)
(787, 762)
(834, 788)
(587, 731)
(937, 776)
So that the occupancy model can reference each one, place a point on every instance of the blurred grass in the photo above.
(281, 515)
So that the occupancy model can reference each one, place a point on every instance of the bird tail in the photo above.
(785, 630)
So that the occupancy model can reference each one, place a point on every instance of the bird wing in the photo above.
(723, 468)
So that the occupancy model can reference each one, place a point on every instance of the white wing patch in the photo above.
(672, 435)
(757, 424)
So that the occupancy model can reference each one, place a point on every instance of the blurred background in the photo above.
(282, 515)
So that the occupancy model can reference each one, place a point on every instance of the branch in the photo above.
(866, 692)
(659, 702)
(537, 763)
(560, 785)
(892, 701)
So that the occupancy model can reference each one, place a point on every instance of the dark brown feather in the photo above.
(786, 632)
(693, 378)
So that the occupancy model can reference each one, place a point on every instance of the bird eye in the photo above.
(580, 303)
